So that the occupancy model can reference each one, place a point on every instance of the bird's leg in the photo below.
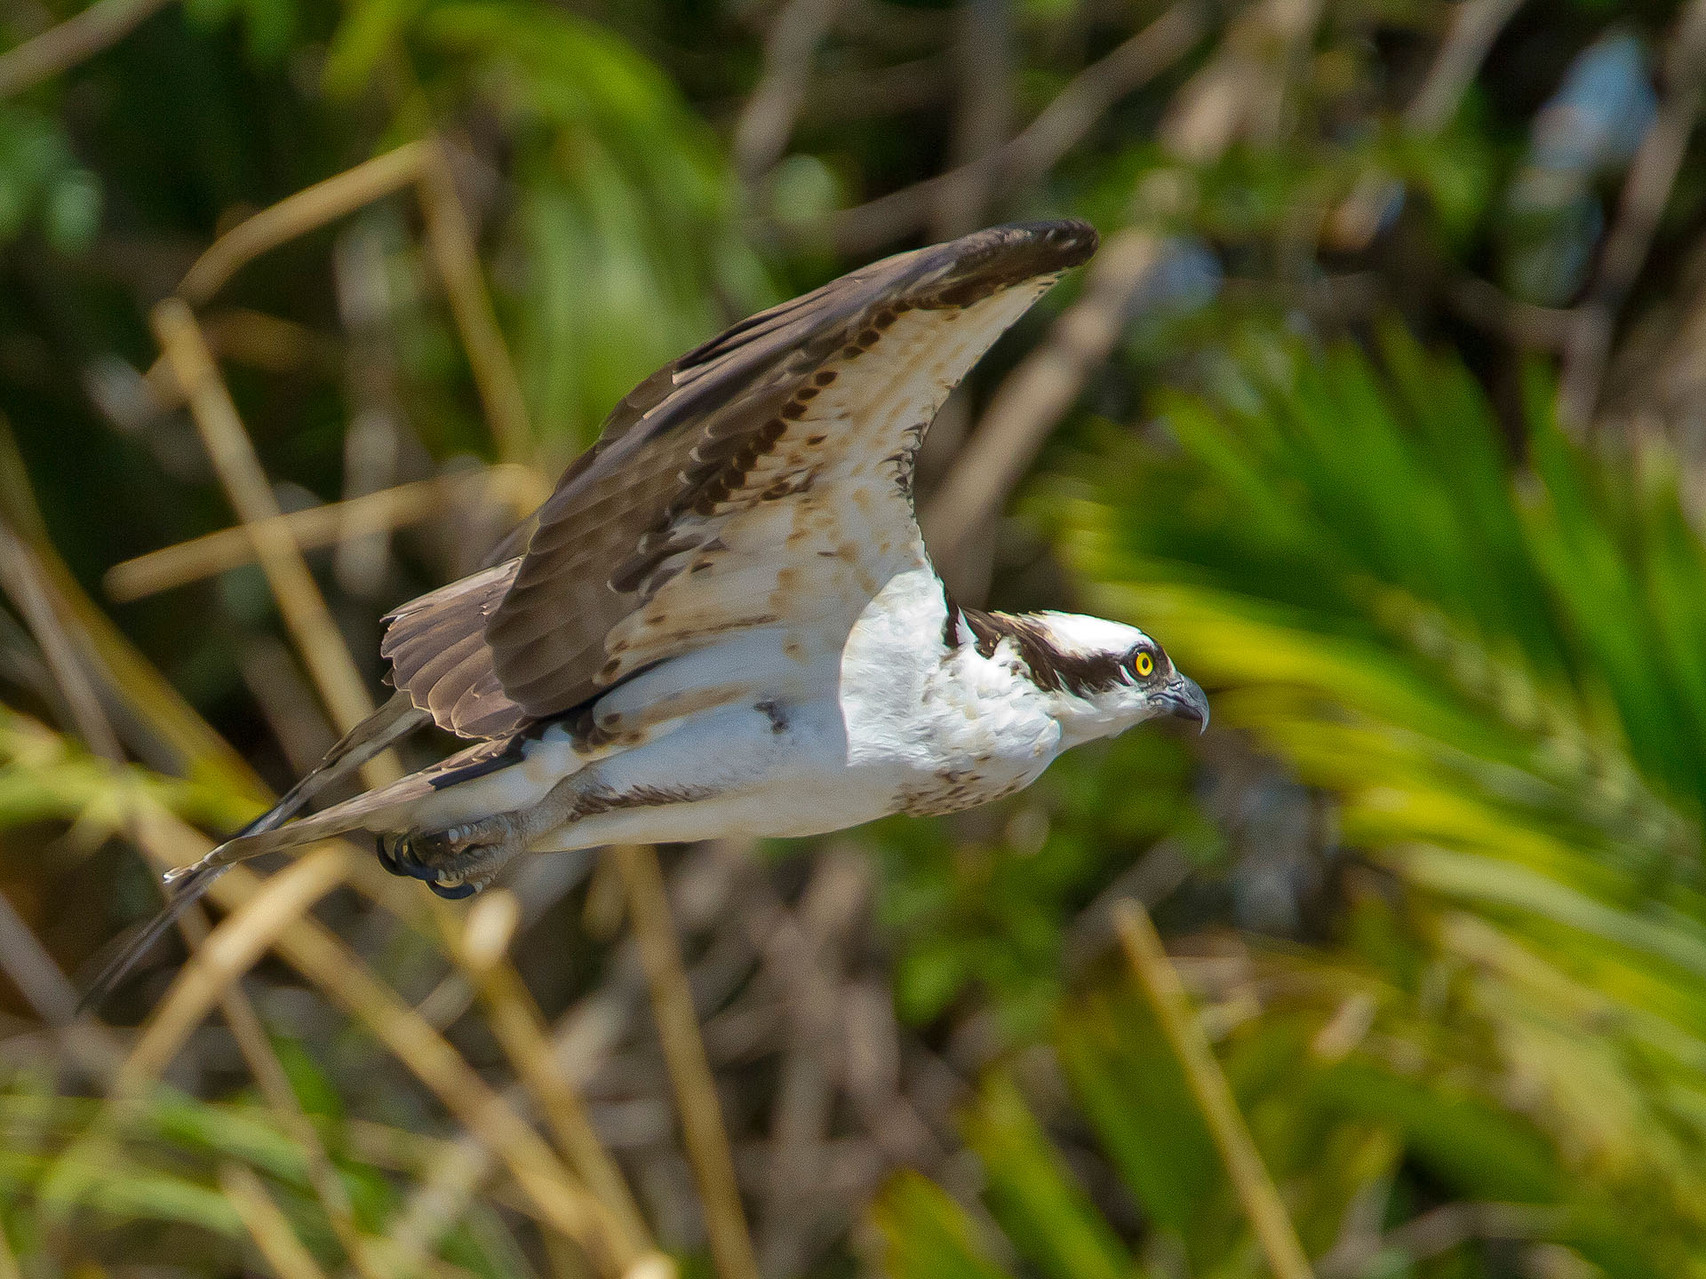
(461, 860)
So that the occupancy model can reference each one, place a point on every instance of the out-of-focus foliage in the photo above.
(1434, 876)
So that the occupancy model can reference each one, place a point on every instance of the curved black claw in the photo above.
(453, 892)
(387, 859)
(397, 855)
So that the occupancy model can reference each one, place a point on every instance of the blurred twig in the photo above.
(578, 1040)
(323, 1176)
(696, 1094)
(1646, 191)
(299, 599)
(171, 566)
(1034, 397)
(32, 971)
(1035, 149)
(983, 119)
(1438, 1231)
(78, 38)
(761, 134)
(1213, 1097)
(1475, 24)
(160, 717)
(21, 580)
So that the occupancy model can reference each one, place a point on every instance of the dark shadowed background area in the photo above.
(1381, 408)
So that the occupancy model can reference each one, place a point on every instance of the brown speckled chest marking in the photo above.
(953, 790)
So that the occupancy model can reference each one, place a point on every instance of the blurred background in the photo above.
(1381, 407)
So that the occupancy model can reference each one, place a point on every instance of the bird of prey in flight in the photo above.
(724, 622)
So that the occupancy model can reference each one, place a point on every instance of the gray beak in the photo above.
(1183, 698)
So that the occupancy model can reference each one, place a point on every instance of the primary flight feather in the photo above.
(724, 621)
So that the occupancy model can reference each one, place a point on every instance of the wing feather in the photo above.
(763, 479)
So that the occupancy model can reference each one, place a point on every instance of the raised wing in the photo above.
(762, 480)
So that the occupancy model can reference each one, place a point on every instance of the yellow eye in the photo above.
(1143, 664)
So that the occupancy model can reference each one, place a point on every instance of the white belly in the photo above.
(893, 723)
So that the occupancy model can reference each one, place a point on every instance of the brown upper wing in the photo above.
(763, 479)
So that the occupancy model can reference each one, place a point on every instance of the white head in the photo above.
(1102, 677)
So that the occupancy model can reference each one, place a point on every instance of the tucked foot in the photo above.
(456, 862)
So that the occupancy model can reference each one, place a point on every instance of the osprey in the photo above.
(724, 621)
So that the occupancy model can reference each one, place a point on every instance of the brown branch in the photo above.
(1475, 24)
(75, 40)
(1646, 191)
(274, 1237)
(983, 57)
(516, 1022)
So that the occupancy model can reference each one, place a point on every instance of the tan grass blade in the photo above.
(702, 1128)
(1256, 1191)
(284, 1253)
(299, 599)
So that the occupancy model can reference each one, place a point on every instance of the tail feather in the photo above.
(267, 833)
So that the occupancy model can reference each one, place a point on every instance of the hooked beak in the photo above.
(1183, 698)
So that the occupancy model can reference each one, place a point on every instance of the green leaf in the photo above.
(1032, 1194)
(926, 1235)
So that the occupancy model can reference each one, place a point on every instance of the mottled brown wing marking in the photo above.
(714, 471)
(820, 519)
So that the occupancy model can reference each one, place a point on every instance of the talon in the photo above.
(453, 892)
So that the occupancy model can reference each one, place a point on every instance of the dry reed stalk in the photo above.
(557, 1200)
(380, 512)
(172, 722)
(268, 1072)
(22, 582)
(78, 38)
(309, 209)
(218, 964)
(703, 1133)
(450, 241)
(271, 1231)
(228, 445)
(1209, 1089)
(515, 1019)
(323, 1177)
